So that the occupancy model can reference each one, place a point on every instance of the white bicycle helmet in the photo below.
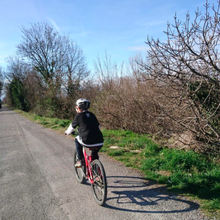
(83, 104)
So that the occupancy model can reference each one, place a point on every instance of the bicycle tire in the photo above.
(79, 171)
(99, 187)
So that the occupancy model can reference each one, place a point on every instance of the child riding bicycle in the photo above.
(89, 133)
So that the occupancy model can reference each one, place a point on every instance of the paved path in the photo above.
(37, 181)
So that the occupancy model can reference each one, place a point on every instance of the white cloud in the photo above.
(54, 24)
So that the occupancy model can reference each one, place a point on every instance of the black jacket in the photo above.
(88, 127)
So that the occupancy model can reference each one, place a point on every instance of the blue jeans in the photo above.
(78, 149)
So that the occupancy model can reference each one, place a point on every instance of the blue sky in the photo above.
(118, 27)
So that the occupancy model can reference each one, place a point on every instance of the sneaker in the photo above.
(78, 163)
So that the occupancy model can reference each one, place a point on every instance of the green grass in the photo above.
(54, 123)
(184, 172)
(130, 146)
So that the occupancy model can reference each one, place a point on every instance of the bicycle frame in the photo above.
(94, 172)
(88, 160)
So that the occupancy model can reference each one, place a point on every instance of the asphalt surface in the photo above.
(37, 181)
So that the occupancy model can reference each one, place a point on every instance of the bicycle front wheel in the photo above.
(99, 187)
(79, 171)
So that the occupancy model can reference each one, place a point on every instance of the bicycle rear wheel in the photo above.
(99, 187)
(79, 171)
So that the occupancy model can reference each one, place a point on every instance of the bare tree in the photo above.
(1, 81)
(59, 62)
(125, 101)
(18, 93)
(187, 65)
(16, 68)
(54, 56)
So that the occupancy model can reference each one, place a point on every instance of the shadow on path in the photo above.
(135, 194)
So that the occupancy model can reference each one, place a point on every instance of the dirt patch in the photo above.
(164, 173)
(185, 141)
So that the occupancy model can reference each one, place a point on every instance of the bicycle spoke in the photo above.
(79, 171)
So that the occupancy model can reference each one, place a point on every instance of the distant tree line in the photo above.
(174, 92)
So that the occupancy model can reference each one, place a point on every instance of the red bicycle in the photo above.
(94, 172)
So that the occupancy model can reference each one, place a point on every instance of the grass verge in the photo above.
(184, 172)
